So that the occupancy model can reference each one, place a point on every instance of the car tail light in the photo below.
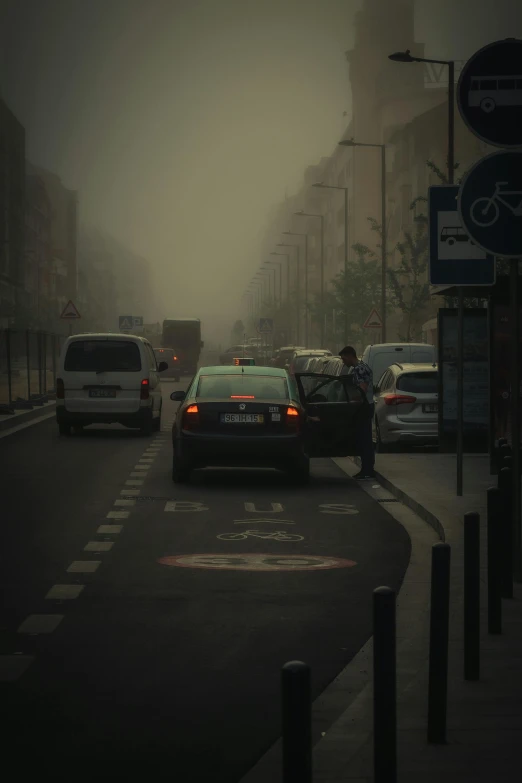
(292, 418)
(398, 399)
(242, 397)
(174, 358)
(144, 395)
(190, 417)
(60, 389)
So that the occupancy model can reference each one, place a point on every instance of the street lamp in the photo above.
(280, 265)
(298, 303)
(302, 213)
(406, 57)
(272, 271)
(338, 187)
(305, 235)
(382, 147)
(287, 256)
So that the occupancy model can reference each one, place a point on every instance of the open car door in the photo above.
(338, 404)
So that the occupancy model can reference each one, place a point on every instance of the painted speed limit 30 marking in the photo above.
(256, 562)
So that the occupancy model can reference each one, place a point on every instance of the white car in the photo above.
(107, 378)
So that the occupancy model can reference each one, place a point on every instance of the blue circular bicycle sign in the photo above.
(490, 204)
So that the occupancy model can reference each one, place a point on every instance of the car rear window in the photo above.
(301, 362)
(258, 387)
(418, 382)
(104, 355)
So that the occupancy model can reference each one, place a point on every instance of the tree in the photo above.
(238, 332)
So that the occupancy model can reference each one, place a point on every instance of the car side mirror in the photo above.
(178, 396)
(162, 366)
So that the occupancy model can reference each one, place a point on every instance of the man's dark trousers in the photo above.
(365, 441)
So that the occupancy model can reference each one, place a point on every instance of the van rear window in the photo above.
(102, 356)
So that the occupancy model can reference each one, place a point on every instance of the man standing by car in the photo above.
(363, 378)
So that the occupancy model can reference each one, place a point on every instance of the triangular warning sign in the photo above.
(70, 311)
(373, 321)
(126, 323)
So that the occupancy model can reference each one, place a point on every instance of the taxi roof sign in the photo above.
(244, 362)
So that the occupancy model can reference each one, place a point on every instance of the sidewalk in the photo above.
(484, 724)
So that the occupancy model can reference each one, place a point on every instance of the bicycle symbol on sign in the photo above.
(275, 535)
(485, 211)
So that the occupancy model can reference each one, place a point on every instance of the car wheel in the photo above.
(180, 473)
(147, 426)
(156, 424)
(64, 429)
(77, 429)
(380, 447)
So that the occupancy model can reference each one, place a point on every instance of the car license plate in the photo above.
(102, 392)
(242, 418)
(430, 408)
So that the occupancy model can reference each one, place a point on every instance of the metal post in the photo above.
(306, 292)
(44, 361)
(439, 635)
(471, 596)
(384, 686)
(451, 121)
(297, 294)
(494, 501)
(383, 241)
(8, 357)
(460, 392)
(297, 723)
(346, 317)
(322, 280)
(28, 363)
(515, 417)
(505, 485)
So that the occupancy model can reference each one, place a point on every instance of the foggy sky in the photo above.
(181, 122)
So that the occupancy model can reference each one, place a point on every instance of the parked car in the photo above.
(300, 359)
(316, 364)
(379, 357)
(256, 417)
(283, 355)
(106, 378)
(406, 406)
(235, 351)
(333, 366)
(169, 356)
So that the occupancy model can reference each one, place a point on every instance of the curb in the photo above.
(14, 420)
(419, 509)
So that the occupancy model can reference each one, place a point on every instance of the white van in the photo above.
(106, 378)
(379, 357)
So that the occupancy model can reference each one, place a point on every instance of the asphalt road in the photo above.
(118, 654)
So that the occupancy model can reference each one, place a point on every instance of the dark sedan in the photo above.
(249, 416)
(169, 355)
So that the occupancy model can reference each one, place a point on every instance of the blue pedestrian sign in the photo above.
(454, 258)
(265, 326)
(126, 322)
(490, 204)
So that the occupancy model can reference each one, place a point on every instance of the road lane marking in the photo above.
(64, 592)
(83, 566)
(275, 535)
(134, 482)
(337, 508)
(110, 529)
(130, 492)
(125, 502)
(40, 623)
(256, 562)
(117, 515)
(258, 521)
(13, 666)
(276, 508)
(136, 473)
(98, 546)
(142, 467)
(12, 430)
(185, 505)
(146, 460)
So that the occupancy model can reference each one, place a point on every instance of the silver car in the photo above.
(406, 406)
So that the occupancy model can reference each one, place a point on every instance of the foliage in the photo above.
(238, 331)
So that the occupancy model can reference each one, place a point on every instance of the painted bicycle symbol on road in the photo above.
(274, 535)
(485, 211)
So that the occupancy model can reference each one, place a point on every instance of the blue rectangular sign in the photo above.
(454, 258)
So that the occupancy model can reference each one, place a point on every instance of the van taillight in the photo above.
(144, 389)
(60, 389)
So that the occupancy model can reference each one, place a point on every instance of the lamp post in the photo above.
(382, 147)
(301, 213)
(338, 187)
(287, 256)
(280, 265)
(305, 235)
(273, 280)
(297, 300)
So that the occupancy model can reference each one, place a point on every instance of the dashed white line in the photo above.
(130, 492)
(134, 482)
(110, 529)
(83, 566)
(98, 546)
(146, 460)
(40, 623)
(117, 515)
(13, 666)
(125, 502)
(137, 473)
(64, 592)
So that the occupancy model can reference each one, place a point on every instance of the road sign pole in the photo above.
(515, 417)
(460, 392)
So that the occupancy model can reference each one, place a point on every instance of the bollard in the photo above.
(384, 687)
(471, 596)
(297, 722)
(439, 634)
(505, 485)
(494, 504)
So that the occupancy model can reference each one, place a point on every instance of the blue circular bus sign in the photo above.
(489, 93)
